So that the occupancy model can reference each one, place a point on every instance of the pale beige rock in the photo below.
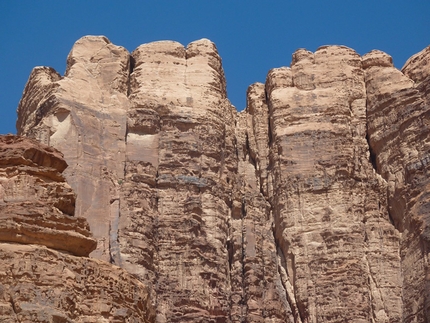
(166, 73)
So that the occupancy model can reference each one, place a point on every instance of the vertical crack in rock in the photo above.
(243, 303)
(15, 310)
(260, 255)
(375, 296)
(114, 247)
(372, 155)
(286, 279)
(132, 63)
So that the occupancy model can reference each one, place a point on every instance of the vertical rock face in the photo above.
(153, 169)
(398, 129)
(309, 206)
(84, 114)
(45, 274)
(176, 191)
(329, 205)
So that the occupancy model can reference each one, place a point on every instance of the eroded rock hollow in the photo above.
(311, 205)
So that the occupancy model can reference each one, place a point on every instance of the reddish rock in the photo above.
(45, 275)
(84, 114)
(36, 204)
(39, 284)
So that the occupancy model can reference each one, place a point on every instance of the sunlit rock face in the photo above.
(398, 109)
(308, 206)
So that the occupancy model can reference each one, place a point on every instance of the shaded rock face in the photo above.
(45, 274)
(308, 206)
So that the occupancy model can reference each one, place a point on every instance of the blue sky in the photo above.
(252, 36)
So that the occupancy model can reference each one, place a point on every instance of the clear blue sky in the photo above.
(252, 36)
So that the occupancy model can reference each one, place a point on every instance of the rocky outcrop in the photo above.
(39, 284)
(36, 204)
(308, 206)
(398, 118)
(45, 274)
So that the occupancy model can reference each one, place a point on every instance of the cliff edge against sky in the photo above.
(311, 205)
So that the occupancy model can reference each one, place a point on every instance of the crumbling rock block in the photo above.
(45, 272)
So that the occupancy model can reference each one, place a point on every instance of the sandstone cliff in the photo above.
(45, 274)
(311, 205)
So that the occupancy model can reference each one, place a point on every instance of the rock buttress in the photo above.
(84, 115)
(398, 109)
(329, 205)
(180, 166)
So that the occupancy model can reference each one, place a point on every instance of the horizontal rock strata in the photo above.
(43, 285)
(36, 204)
(45, 272)
(308, 206)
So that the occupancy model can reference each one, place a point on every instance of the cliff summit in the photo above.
(311, 205)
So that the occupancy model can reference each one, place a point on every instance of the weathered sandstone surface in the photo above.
(329, 205)
(45, 275)
(398, 108)
(311, 205)
(36, 204)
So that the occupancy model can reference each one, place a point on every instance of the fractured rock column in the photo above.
(84, 115)
(257, 291)
(180, 133)
(327, 200)
(398, 112)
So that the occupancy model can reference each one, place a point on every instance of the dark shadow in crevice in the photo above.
(372, 155)
(131, 70)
